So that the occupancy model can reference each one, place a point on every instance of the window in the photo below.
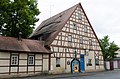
(81, 40)
(40, 38)
(90, 42)
(89, 62)
(14, 59)
(31, 59)
(57, 62)
(80, 16)
(75, 26)
(85, 29)
(69, 38)
(96, 61)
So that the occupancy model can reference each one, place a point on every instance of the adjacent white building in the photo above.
(23, 56)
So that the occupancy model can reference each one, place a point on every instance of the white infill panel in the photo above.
(45, 64)
(115, 64)
(107, 65)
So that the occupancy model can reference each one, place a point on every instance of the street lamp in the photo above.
(75, 52)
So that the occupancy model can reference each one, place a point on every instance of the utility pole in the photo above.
(51, 10)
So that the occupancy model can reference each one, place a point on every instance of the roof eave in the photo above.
(25, 51)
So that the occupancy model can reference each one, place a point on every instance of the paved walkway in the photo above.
(61, 75)
(53, 76)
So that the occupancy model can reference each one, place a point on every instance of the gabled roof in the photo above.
(10, 44)
(54, 24)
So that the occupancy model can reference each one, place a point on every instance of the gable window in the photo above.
(81, 40)
(57, 62)
(75, 26)
(14, 59)
(40, 38)
(96, 61)
(90, 42)
(89, 62)
(80, 16)
(31, 59)
(70, 38)
(85, 29)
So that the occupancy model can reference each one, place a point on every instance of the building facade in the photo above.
(114, 63)
(23, 56)
(66, 33)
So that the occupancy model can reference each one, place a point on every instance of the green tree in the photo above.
(108, 48)
(112, 49)
(18, 16)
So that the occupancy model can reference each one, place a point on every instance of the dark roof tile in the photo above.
(23, 45)
(54, 24)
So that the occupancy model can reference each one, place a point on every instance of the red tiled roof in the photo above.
(23, 45)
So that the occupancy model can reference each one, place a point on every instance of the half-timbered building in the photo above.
(22, 56)
(68, 32)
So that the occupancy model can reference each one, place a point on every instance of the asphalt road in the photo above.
(95, 75)
(104, 75)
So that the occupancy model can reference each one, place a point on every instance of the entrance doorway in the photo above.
(75, 65)
(82, 63)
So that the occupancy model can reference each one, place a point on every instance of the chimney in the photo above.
(19, 36)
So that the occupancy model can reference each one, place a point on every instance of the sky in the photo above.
(104, 15)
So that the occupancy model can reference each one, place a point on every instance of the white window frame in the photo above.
(14, 59)
(31, 61)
